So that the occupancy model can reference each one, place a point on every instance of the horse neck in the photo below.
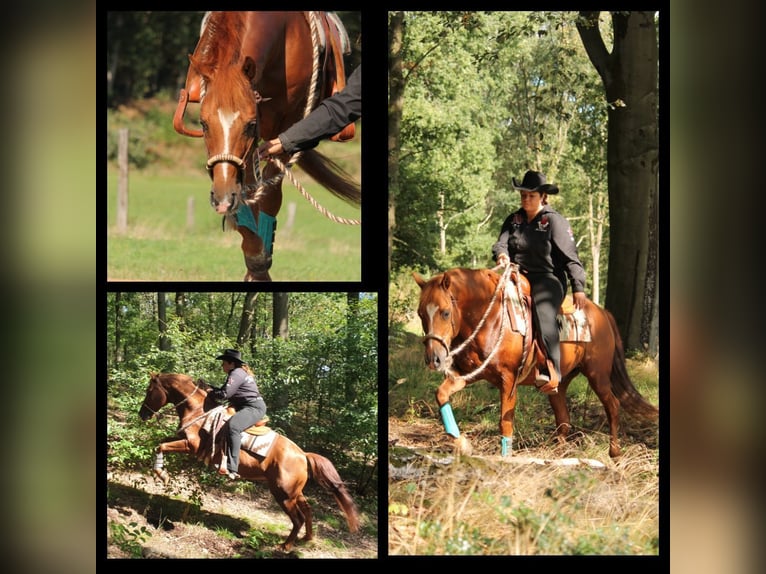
(478, 304)
(187, 397)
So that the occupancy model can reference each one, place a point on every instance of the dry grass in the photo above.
(485, 504)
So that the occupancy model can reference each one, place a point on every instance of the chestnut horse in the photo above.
(285, 467)
(255, 74)
(472, 332)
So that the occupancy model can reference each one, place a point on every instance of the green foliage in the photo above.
(129, 538)
(490, 95)
(320, 384)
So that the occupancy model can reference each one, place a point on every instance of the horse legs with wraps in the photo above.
(449, 386)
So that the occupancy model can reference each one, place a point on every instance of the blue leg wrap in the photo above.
(264, 228)
(449, 420)
(506, 445)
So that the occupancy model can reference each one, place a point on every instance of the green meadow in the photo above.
(162, 244)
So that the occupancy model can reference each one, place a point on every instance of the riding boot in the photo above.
(548, 382)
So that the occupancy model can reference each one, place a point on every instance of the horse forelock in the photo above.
(220, 40)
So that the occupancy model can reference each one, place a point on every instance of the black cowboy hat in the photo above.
(231, 355)
(535, 181)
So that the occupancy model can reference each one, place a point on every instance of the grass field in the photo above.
(160, 246)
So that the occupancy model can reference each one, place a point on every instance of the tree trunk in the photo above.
(164, 342)
(630, 74)
(395, 106)
(118, 354)
(280, 323)
(352, 344)
(247, 319)
(181, 309)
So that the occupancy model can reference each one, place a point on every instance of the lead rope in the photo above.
(285, 169)
(503, 326)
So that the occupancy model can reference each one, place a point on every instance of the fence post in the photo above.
(291, 208)
(122, 183)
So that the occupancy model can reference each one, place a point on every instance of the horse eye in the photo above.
(250, 128)
(445, 314)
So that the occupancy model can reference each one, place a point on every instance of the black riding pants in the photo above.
(244, 418)
(547, 296)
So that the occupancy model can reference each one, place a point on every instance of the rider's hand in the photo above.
(271, 147)
(579, 300)
(503, 260)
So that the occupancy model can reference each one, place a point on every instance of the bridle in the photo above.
(311, 100)
(451, 353)
(167, 400)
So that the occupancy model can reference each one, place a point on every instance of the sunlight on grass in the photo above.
(160, 244)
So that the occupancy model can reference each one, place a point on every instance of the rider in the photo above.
(241, 390)
(539, 239)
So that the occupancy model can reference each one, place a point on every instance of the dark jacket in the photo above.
(545, 245)
(330, 117)
(240, 388)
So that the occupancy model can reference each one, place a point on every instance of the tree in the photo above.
(395, 105)
(162, 322)
(280, 321)
(247, 319)
(630, 77)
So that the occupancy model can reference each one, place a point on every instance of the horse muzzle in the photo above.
(437, 355)
(227, 182)
(145, 413)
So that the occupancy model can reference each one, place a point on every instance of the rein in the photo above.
(179, 403)
(449, 371)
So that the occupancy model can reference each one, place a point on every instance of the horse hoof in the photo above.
(462, 446)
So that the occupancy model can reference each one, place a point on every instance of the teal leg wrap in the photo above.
(506, 445)
(264, 228)
(449, 420)
(245, 217)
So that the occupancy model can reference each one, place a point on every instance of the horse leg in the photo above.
(257, 261)
(449, 386)
(182, 445)
(306, 510)
(292, 509)
(561, 413)
(507, 413)
(602, 386)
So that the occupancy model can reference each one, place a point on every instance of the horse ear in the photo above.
(248, 68)
(445, 281)
(418, 279)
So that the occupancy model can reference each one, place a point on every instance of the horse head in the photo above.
(170, 388)
(440, 318)
(229, 119)
(156, 398)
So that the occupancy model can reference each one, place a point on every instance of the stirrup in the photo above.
(545, 384)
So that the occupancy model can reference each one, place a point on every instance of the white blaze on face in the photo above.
(227, 120)
(431, 309)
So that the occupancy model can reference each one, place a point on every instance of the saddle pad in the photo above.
(574, 327)
(573, 324)
(258, 445)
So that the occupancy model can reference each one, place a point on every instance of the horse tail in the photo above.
(324, 473)
(330, 175)
(622, 387)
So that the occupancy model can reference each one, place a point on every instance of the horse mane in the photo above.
(220, 40)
